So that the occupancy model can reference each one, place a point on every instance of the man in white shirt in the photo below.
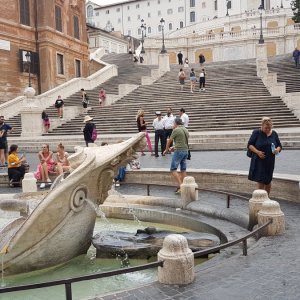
(158, 125)
(168, 123)
(184, 117)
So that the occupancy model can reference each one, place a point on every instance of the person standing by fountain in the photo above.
(180, 137)
(62, 163)
(142, 127)
(16, 169)
(89, 130)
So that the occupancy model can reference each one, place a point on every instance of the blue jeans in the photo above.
(179, 157)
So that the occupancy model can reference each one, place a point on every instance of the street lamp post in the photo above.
(28, 59)
(261, 37)
(162, 24)
(143, 28)
(227, 4)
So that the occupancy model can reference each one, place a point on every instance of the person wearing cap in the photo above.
(88, 130)
(180, 136)
(158, 125)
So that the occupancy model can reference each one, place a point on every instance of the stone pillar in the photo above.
(188, 191)
(163, 63)
(255, 205)
(271, 210)
(261, 60)
(31, 115)
(29, 183)
(178, 261)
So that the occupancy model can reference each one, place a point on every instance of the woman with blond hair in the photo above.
(141, 125)
(61, 160)
(263, 146)
(45, 166)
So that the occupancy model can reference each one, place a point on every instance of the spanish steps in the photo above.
(235, 100)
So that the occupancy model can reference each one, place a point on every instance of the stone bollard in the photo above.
(188, 191)
(255, 205)
(29, 183)
(271, 210)
(178, 260)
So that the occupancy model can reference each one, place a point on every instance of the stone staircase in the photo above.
(222, 117)
(284, 66)
(128, 73)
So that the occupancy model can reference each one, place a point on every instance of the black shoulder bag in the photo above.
(189, 152)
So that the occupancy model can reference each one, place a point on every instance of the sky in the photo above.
(106, 2)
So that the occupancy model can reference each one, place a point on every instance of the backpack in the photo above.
(94, 134)
(182, 76)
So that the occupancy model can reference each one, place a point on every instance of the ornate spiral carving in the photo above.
(78, 198)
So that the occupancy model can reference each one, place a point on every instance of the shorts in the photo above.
(194, 79)
(2, 144)
(179, 157)
(46, 123)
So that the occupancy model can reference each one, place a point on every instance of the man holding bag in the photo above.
(180, 136)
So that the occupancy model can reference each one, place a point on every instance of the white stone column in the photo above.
(188, 191)
(255, 205)
(29, 183)
(261, 60)
(163, 62)
(271, 210)
(31, 115)
(178, 260)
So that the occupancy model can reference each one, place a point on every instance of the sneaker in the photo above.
(203, 90)
(117, 183)
(49, 180)
(156, 155)
(143, 154)
(42, 185)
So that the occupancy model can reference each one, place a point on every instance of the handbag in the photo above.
(94, 134)
(189, 156)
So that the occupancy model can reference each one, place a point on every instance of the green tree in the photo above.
(295, 4)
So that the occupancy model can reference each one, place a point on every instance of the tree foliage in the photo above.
(295, 4)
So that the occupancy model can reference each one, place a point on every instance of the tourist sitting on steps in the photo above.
(61, 160)
(16, 169)
(45, 166)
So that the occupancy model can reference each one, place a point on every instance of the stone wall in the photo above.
(42, 38)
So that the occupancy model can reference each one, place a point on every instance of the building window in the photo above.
(128, 19)
(148, 3)
(128, 7)
(181, 24)
(203, 4)
(158, 1)
(34, 64)
(159, 13)
(149, 15)
(97, 13)
(119, 20)
(192, 16)
(180, 9)
(170, 11)
(76, 27)
(138, 17)
(58, 21)
(170, 26)
(24, 12)
(139, 31)
(107, 12)
(137, 6)
(77, 68)
(159, 28)
(129, 32)
(192, 3)
(118, 9)
(149, 29)
(60, 64)
(216, 4)
(90, 11)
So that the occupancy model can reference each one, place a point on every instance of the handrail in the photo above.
(67, 282)
(232, 243)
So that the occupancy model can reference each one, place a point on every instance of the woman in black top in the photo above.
(264, 144)
(88, 130)
(141, 125)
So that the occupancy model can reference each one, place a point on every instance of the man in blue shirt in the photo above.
(7, 129)
(296, 55)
